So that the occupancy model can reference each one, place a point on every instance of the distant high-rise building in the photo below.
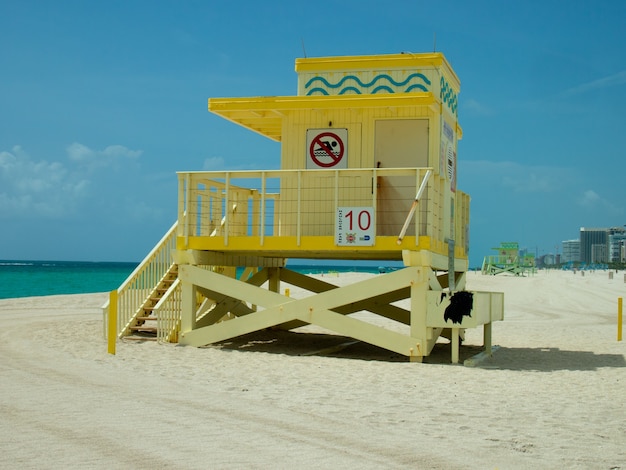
(599, 253)
(571, 251)
(617, 240)
(594, 245)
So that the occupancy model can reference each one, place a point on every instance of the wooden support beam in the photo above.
(218, 258)
(317, 309)
(331, 305)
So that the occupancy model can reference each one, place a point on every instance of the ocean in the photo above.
(40, 278)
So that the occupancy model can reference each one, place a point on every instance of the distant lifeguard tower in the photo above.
(368, 172)
(508, 260)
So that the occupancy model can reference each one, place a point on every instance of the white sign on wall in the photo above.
(326, 148)
(355, 226)
(448, 154)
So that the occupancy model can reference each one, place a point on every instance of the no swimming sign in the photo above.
(326, 148)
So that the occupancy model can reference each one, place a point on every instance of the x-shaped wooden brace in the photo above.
(325, 309)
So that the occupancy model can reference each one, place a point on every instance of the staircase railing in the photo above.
(168, 312)
(140, 283)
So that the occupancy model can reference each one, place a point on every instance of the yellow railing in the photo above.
(168, 312)
(142, 281)
(302, 203)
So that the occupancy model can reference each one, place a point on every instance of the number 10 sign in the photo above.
(355, 226)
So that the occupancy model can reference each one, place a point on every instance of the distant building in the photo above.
(602, 245)
(617, 243)
(571, 251)
(594, 245)
(599, 254)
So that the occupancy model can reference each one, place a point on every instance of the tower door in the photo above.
(399, 143)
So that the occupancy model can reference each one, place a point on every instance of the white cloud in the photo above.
(80, 153)
(219, 164)
(592, 201)
(119, 151)
(213, 164)
(473, 107)
(515, 176)
(7, 161)
(605, 82)
(36, 188)
(589, 198)
(51, 189)
(93, 159)
(531, 182)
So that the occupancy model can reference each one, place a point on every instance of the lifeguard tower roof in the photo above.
(346, 80)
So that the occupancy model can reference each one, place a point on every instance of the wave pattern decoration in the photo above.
(356, 85)
(447, 95)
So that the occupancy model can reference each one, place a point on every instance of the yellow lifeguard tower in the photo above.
(368, 172)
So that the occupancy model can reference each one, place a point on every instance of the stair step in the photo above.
(141, 338)
(145, 329)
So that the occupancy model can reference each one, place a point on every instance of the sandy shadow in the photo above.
(551, 359)
(332, 345)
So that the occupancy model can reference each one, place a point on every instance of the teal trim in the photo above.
(446, 92)
(367, 85)
(381, 88)
(361, 87)
(447, 95)
(317, 90)
(350, 88)
(416, 86)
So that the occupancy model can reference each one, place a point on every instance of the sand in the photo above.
(552, 396)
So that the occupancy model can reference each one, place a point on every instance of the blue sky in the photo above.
(102, 102)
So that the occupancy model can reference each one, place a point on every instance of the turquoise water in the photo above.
(38, 278)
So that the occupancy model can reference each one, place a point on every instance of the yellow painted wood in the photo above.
(188, 301)
(385, 61)
(432, 65)
(112, 321)
(487, 332)
(280, 309)
(309, 247)
(219, 258)
(619, 318)
(267, 115)
(307, 208)
(330, 306)
(455, 345)
(488, 307)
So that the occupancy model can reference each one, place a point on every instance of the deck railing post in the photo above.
(336, 194)
(262, 224)
(226, 209)
(112, 333)
(186, 206)
(299, 208)
(375, 193)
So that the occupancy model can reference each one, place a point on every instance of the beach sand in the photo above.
(552, 396)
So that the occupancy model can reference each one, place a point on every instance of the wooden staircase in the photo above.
(144, 325)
